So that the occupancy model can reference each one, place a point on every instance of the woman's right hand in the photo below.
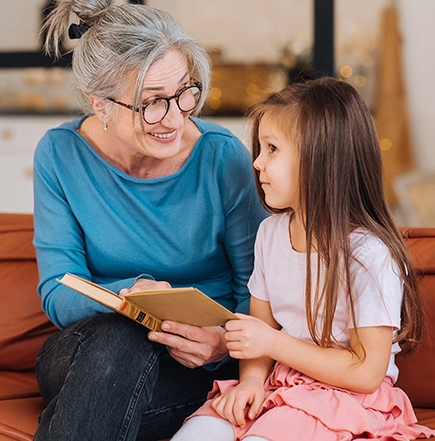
(231, 404)
(144, 284)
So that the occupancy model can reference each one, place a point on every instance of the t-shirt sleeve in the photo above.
(257, 281)
(377, 287)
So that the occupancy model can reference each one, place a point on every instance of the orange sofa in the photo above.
(23, 328)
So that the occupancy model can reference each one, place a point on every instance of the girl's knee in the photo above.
(205, 428)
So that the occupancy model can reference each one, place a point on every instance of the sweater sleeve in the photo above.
(60, 245)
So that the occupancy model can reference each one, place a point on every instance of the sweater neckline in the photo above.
(77, 123)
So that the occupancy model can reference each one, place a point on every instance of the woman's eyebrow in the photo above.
(160, 88)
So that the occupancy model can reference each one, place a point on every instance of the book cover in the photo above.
(151, 307)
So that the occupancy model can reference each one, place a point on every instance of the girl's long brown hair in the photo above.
(341, 187)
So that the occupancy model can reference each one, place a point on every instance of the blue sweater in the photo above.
(195, 227)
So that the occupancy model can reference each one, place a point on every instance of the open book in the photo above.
(151, 307)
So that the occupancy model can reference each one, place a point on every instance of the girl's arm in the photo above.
(253, 373)
(259, 368)
(362, 371)
(339, 367)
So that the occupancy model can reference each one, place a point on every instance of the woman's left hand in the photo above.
(249, 337)
(190, 345)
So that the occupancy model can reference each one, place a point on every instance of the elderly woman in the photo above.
(136, 194)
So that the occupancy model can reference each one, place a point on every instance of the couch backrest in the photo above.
(23, 325)
(417, 371)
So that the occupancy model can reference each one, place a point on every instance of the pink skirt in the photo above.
(296, 408)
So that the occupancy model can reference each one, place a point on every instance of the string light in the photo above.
(386, 144)
(346, 71)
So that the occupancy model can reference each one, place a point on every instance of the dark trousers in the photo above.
(102, 379)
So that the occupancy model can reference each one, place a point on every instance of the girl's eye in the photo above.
(272, 148)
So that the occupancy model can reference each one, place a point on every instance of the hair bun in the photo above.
(77, 30)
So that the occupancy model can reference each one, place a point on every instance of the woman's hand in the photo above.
(189, 345)
(231, 405)
(249, 337)
(192, 346)
(144, 284)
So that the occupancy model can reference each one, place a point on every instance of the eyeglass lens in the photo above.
(186, 101)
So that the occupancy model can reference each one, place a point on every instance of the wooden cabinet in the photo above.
(19, 136)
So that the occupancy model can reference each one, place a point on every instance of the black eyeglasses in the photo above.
(155, 111)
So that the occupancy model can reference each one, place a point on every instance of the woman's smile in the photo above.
(164, 137)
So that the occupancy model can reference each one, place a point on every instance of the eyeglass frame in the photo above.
(168, 100)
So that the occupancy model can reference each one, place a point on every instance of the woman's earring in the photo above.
(105, 126)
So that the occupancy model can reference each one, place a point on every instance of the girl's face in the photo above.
(278, 164)
(163, 140)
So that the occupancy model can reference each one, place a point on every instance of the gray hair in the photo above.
(121, 39)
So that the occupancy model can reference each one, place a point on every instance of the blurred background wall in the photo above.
(385, 48)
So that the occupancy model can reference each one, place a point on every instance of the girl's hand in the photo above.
(249, 337)
(231, 405)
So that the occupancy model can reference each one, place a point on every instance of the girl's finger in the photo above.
(255, 406)
(236, 354)
(234, 325)
(239, 411)
(234, 345)
(232, 335)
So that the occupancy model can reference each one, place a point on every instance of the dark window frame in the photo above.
(323, 45)
(34, 59)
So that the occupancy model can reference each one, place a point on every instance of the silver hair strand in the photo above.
(117, 40)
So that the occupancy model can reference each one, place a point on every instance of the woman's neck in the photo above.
(137, 165)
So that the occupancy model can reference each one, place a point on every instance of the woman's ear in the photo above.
(99, 105)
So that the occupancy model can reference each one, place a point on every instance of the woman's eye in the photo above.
(153, 103)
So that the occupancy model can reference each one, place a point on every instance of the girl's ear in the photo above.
(99, 105)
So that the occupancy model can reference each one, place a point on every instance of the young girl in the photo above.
(334, 294)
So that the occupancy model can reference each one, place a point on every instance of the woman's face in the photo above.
(163, 140)
(278, 164)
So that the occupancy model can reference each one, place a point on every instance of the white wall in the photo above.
(417, 19)
(252, 30)
(241, 29)
(245, 30)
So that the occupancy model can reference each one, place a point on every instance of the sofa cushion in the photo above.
(24, 326)
(19, 418)
(417, 371)
(15, 385)
(20, 405)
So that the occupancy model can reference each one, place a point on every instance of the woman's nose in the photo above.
(174, 117)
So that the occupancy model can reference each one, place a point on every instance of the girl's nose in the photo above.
(258, 163)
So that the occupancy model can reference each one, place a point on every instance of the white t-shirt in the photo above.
(279, 278)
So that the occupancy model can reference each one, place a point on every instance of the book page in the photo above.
(92, 290)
